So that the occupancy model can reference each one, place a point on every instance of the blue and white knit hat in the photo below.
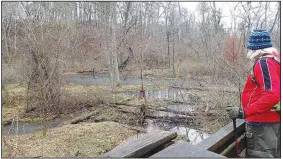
(259, 39)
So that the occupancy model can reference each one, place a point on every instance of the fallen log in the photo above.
(90, 114)
(120, 106)
(83, 117)
(152, 112)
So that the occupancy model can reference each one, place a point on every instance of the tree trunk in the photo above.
(168, 47)
(114, 71)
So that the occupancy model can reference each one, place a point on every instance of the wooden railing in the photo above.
(159, 144)
(223, 142)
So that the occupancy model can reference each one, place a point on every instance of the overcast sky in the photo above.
(225, 7)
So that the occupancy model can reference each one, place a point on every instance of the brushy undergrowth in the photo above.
(73, 98)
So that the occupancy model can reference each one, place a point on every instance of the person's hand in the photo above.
(235, 112)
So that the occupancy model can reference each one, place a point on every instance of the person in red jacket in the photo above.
(261, 98)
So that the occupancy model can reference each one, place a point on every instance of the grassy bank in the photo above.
(79, 140)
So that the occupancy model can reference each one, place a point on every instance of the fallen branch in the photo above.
(154, 108)
(83, 117)
(119, 106)
(149, 105)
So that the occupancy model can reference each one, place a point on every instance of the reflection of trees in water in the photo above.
(186, 127)
(174, 94)
(189, 133)
(196, 134)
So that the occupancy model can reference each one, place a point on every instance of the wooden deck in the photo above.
(143, 145)
(159, 144)
(185, 149)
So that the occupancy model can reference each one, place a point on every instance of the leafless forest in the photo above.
(51, 50)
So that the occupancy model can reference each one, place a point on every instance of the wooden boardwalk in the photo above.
(143, 145)
(185, 149)
(159, 144)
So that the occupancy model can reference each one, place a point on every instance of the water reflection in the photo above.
(193, 136)
(181, 108)
(27, 128)
(170, 94)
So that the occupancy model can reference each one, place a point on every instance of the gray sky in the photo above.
(226, 9)
(225, 6)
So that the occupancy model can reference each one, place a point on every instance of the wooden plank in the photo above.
(221, 137)
(141, 146)
(185, 149)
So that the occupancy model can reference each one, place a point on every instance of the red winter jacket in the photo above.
(257, 101)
